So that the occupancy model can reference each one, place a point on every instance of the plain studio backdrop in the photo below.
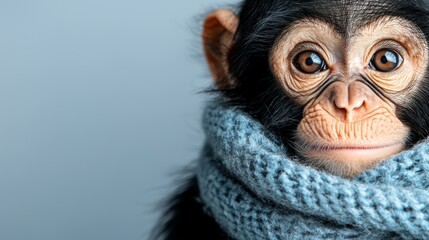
(99, 105)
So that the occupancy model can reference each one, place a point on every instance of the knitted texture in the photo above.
(254, 190)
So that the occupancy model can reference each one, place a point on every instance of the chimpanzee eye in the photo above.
(309, 62)
(385, 60)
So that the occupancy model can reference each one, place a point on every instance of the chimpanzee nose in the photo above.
(347, 101)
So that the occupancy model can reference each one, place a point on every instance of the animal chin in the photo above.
(348, 148)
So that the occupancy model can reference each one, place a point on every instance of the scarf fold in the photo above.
(254, 190)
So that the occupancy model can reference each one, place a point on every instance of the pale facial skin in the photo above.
(347, 127)
(349, 120)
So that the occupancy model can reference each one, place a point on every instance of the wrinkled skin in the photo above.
(347, 126)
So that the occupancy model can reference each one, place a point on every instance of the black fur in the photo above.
(257, 91)
(184, 217)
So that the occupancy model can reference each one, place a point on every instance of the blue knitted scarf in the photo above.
(254, 190)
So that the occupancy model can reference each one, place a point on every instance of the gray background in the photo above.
(99, 104)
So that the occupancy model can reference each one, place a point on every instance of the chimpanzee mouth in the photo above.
(347, 159)
(353, 152)
(352, 147)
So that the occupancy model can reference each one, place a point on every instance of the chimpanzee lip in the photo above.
(351, 147)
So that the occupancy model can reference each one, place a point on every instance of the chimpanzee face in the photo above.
(343, 90)
(349, 88)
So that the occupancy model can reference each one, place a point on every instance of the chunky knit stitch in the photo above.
(254, 190)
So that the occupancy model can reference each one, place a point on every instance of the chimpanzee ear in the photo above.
(218, 38)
